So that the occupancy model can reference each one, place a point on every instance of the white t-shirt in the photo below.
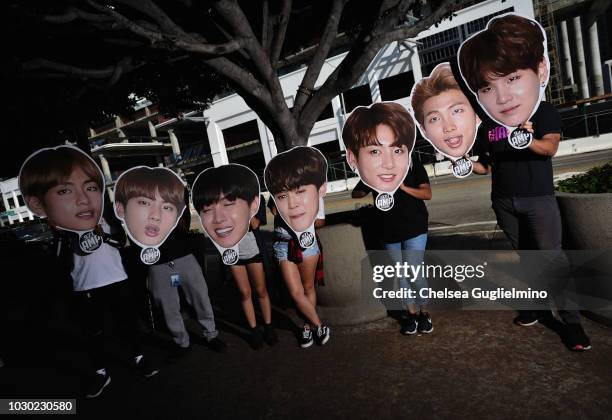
(100, 268)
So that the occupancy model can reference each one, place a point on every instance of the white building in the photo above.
(15, 208)
(232, 132)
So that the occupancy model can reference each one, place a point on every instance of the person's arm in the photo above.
(422, 192)
(480, 168)
(547, 145)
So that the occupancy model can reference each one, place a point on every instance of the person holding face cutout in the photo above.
(64, 185)
(227, 198)
(149, 201)
(297, 182)
(378, 141)
(445, 117)
(507, 67)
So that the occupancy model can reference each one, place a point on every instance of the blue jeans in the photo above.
(413, 257)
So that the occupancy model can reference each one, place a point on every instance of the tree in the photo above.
(245, 42)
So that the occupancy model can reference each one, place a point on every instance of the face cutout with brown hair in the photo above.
(507, 67)
(149, 202)
(65, 186)
(379, 140)
(297, 182)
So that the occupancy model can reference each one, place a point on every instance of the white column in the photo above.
(567, 58)
(152, 131)
(217, 145)
(415, 63)
(583, 82)
(340, 119)
(105, 169)
(373, 83)
(596, 60)
(264, 140)
(176, 149)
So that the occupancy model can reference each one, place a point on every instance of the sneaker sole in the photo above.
(306, 345)
(525, 324)
(325, 340)
(151, 374)
(426, 332)
(108, 381)
(580, 348)
(408, 332)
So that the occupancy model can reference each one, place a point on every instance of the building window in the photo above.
(357, 96)
(396, 87)
(243, 146)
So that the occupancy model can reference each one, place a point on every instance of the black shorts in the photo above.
(256, 259)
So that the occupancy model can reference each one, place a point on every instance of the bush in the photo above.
(597, 180)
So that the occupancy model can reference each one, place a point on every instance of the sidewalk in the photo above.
(474, 365)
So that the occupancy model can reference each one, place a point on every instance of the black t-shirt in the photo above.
(408, 217)
(518, 173)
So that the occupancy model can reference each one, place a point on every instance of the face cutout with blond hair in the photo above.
(65, 186)
(379, 140)
(506, 66)
(149, 201)
(445, 117)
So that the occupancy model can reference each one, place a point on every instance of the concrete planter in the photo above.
(343, 301)
(586, 220)
(587, 226)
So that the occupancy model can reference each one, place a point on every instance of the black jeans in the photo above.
(534, 223)
(96, 307)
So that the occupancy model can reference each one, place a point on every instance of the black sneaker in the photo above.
(425, 325)
(97, 384)
(409, 325)
(576, 339)
(306, 338)
(269, 335)
(526, 319)
(146, 368)
(323, 334)
(216, 344)
(256, 339)
(177, 354)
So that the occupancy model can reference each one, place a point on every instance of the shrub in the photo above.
(597, 180)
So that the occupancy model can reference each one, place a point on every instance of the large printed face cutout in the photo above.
(445, 117)
(378, 141)
(297, 179)
(149, 202)
(226, 199)
(65, 186)
(506, 66)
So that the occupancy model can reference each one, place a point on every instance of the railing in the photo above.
(130, 139)
(587, 125)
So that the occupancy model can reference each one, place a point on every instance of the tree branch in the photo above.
(123, 66)
(152, 10)
(316, 63)
(73, 14)
(279, 39)
(265, 26)
(412, 31)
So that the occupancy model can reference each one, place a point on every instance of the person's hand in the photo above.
(527, 125)
(98, 230)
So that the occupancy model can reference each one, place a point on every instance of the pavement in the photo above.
(476, 364)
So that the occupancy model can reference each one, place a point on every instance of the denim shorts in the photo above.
(281, 248)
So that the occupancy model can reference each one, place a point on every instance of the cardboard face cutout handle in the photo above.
(64, 185)
(149, 201)
(226, 199)
(379, 140)
(445, 117)
(297, 181)
(506, 66)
